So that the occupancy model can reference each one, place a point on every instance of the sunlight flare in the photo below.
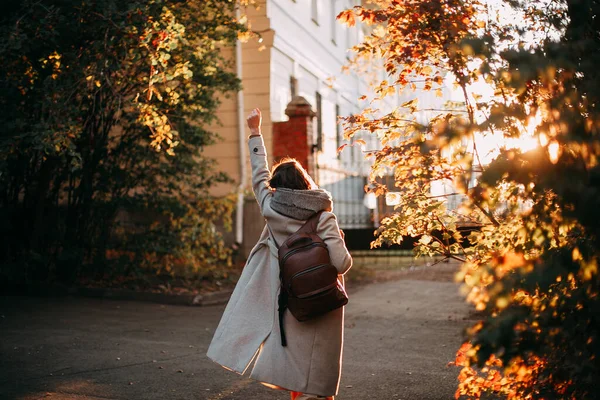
(554, 151)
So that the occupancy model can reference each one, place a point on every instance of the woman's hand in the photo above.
(254, 120)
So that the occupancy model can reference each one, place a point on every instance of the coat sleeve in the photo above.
(260, 170)
(329, 231)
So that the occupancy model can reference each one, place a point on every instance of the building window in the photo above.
(333, 23)
(319, 122)
(315, 11)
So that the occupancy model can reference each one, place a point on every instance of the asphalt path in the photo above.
(399, 337)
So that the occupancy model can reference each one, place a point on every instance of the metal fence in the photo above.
(347, 190)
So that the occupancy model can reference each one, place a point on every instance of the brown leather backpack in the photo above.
(309, 282)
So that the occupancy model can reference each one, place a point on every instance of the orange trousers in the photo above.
(302, 396)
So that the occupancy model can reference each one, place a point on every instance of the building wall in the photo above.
(302, 40)
(255, 83)
(312, 47)
(293, 45)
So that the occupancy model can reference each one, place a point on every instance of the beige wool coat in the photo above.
(249, 328)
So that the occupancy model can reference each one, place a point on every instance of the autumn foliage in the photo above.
(106, 107)
(510, 138)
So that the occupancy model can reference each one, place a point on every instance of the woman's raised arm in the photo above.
(258, 158)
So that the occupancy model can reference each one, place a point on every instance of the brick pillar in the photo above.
(294, 138)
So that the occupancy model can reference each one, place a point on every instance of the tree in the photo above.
(526, 72)
(105, 107)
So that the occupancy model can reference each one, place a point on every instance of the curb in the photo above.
(197, 300)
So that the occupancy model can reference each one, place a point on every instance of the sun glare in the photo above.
(533, 122)
(554, 151)
(488, 144)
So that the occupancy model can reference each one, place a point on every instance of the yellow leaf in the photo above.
(425, 239)
(502, 303)
(576, 254)
(589, 270)
(244, 36)
(411, 104)
(379, 31)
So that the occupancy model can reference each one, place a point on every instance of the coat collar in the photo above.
(301, 204)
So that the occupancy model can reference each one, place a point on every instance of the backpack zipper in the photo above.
(306, 271)
(291, 253)
(318, 292)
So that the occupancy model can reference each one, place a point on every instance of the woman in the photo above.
(310, 365)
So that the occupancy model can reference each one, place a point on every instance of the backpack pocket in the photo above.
(321, 303)
(312, 280)
(315, 291)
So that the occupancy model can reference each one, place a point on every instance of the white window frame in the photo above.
(314, 11)
(334, 24)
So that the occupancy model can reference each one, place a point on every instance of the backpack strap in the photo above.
(310, 226)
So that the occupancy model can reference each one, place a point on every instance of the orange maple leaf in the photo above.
(347, 17)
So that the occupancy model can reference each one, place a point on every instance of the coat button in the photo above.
(255, 150)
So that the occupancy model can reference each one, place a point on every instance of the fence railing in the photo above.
(347, 190)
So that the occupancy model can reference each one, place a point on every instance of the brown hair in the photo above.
(288, 173)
